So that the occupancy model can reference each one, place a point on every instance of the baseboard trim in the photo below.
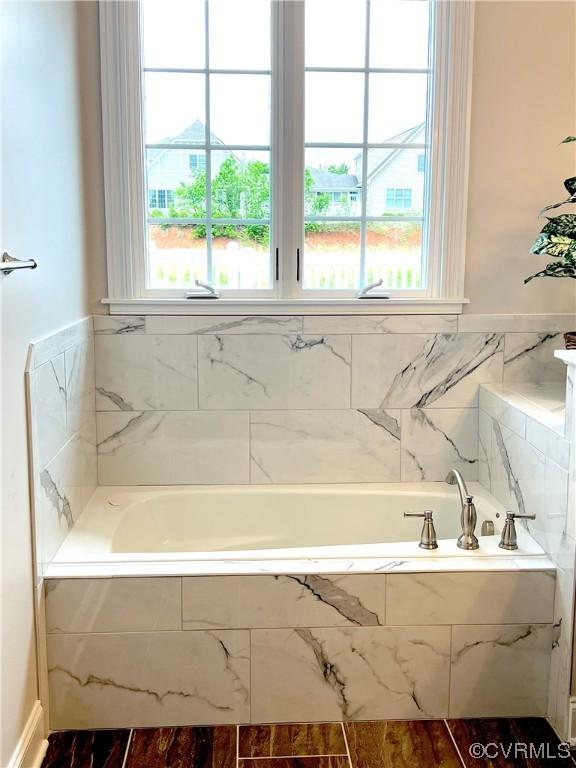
(572, 721)
(32, 744)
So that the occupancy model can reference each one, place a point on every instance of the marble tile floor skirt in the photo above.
(488, 743)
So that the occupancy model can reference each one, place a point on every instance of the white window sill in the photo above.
(408, 306)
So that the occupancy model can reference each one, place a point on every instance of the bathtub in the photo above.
(281, 603)
(243, 524)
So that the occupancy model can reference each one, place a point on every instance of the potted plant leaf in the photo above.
(558, 239)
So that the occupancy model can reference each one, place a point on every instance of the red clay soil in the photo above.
(340, 239)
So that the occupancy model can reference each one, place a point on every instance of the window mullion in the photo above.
(292, 145)
(363, 202)
(208, 136)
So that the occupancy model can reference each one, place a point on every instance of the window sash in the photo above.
(124, 162)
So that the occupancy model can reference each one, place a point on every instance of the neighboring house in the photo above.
(168, 168)
(395, 180)
(338, 191)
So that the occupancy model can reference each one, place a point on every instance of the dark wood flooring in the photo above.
(524, 742)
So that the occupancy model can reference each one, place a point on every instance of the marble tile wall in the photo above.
(209, 650)
(62, 429)
(303, 399)
(525, 464)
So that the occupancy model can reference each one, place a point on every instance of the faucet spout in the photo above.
(467, 539)
(454, 477)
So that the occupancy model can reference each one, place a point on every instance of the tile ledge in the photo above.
(544, 402)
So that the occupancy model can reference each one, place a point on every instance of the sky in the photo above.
(174, 36)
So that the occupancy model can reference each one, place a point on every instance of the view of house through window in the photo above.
(207, 121)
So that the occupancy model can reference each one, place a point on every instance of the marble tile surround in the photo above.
(525, 462)
(62, 426)
(169, 651)
(312, 399)
(415, 425)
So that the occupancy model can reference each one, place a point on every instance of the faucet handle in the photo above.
(516, 516)
(509, 540)
(427, 513)
(428, 535)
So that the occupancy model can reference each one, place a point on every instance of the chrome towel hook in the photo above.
(9, 264)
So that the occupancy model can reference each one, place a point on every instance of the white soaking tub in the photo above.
(277, 524)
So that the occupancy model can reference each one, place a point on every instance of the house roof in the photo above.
(378, 159)
(195, 133)
(327, 181)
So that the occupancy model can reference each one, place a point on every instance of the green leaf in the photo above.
(568, 139)
(555, 269)
(565, 224)
(571, 199)
(570, 185)
(555, 245)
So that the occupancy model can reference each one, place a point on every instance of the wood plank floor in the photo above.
(523, 742)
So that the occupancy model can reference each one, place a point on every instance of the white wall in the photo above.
(48, 157)
(523, 105)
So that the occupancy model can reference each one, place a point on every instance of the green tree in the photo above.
(341, 170)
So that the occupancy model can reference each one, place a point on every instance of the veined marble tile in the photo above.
(517, 473)
(558, 449)
(46, 349)
(463, 598)
(165, 447)
(553, 323)
(269, 372)
(499, 408)
(63, 488)
(536, 434)
(325, 446)
(543, 402)
(380, 324)
(561, 656)
(500, 671)
(361, 673)
(424, 370)
(113, 605)
(48, 407)
(556, 490)
(437, 440)
(530, 357)
(139, 679)
(223, 325)
(80, 390)
(485, 448)
(549, 442)
(119, 324)
(143, 372)
(570, 415)
(283, 601)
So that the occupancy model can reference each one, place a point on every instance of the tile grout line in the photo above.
(127, 747)
(451, 629)
(447, 726)
(346, 743)
(291, 757)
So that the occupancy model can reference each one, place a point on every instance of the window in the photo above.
(398, 198)
(160, 198)
(197, 162)
(283, 163)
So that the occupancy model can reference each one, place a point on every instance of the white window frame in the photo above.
(125, 195)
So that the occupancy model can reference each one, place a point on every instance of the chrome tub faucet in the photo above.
(509, 538)
(428, 536)
(468, 517)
